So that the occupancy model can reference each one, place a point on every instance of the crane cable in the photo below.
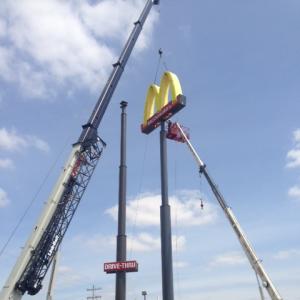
(160, 53)
(201, 189)
(177, 278)
(159, 62)
(133, 229)
(22, 217)
(261, 292)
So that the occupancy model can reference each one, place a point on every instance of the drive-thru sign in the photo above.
(125, 266)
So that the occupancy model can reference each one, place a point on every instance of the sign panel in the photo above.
(164, 114)
(174, 133)
(124, 266)
(157, 106)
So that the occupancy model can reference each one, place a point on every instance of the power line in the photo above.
(93, 290)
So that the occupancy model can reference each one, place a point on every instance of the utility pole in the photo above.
(144, 293)
(121, 238)
(93, 290)
(165, 222)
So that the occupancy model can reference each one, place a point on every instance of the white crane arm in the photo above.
(253, 259)
(9, 292)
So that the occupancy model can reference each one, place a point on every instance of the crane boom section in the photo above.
(252, 257)
(113, 80)
(42, 223)
(41, 247)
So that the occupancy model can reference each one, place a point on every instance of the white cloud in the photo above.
(64, 269)
(4, 201)
(145, 242)
(293, 161)
(142, 242)
(185, 210)
(96, 242)
(65, 43)
(296, 135)
(6, 64)
(287, 254)
(12, 141)
(37, 143)
(6, 163)
(294, 192)
(2, 28)
(228, 259)
(67, 276)
(180, 264)
(122, 13)
(293, 156)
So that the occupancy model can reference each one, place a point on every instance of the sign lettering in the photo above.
(124, 266)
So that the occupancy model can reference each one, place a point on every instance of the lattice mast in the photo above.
(33, 263)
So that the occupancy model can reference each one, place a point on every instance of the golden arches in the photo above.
(157, 97)
(152, 101)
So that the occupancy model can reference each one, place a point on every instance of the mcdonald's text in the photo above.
(164, 114)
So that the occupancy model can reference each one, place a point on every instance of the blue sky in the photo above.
(238, 63)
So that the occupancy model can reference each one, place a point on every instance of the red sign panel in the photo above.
(164, 114)
(121, 266)
(174, 133)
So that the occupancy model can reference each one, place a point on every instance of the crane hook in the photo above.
(201, 203)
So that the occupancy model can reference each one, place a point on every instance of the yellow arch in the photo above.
(158, 97)
(151, 101)
(168, 80)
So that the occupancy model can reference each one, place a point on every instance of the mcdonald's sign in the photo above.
(158, 108)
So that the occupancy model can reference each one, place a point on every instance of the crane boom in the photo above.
(35, 258)
(252, 257)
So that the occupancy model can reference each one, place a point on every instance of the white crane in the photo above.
(33, 263)
(253, 259)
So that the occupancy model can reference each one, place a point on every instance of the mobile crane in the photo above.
(33, 263)
(252, 257)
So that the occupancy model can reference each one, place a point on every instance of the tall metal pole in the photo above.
(165, 222)
(121, 238)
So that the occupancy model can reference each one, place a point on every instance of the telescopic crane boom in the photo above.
(253, 259)
(32, 265)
